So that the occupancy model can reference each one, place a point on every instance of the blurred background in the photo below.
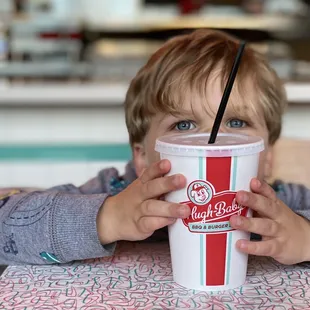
(65, 66)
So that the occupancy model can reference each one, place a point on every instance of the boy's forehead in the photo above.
(201, 108)
(243, 101)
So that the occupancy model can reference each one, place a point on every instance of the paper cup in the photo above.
(203, 252)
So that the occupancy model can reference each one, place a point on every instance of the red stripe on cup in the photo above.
(218, 174)
(216, 259)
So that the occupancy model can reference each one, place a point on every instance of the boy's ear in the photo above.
(139, 158)
(269, 162)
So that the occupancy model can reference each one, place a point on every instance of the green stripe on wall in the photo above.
(69, 152)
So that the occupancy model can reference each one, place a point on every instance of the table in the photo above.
(139, 276)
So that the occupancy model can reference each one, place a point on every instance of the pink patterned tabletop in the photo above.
(139, 277)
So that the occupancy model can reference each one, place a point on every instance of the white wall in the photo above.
(48, 125)
(296, 122)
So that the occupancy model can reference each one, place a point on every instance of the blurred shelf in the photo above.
(102, 94)
(162, 18)
(99, 94)
(43, 68)
(145, 23)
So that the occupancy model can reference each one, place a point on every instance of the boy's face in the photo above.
(198, 117)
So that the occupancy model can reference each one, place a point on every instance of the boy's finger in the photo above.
(148, 224)
(160, 186)
(157, 208)
(261, 248)
(263, 188)
(260, 226)
(264, 206)
(156, 170)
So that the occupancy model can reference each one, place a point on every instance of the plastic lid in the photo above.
(226, 145)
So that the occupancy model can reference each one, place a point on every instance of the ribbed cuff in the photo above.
(74, 227)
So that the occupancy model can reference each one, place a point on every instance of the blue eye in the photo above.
(184, 125)
(236, 123)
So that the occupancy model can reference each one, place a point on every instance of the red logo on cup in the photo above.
(210, 211)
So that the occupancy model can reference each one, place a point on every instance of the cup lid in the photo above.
(226, 145)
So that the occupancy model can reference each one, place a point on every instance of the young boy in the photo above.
(177, 91)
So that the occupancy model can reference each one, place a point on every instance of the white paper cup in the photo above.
(203, 252)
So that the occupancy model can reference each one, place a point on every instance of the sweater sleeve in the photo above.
(56, 225)
(295, 196)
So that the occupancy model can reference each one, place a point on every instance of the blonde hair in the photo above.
(185, 63)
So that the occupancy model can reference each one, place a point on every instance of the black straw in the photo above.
(226, 94)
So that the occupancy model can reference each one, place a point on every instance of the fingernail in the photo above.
(176, 180)
(238, 221)
(244, 198)
(162, 165)
(258, 183)
(242, 245)
(183, 210)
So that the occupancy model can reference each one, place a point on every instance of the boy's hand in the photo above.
(136, 212)
(285, 235)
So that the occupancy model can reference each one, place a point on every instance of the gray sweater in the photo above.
(59, 224)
